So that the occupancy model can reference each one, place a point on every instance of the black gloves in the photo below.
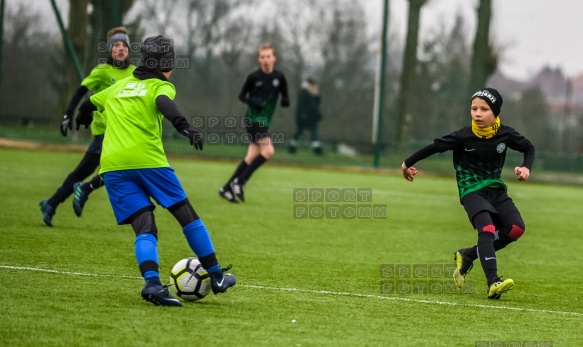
(85, 115)
(66, 123)
(83, 119)
(284, 102)
(195, 138)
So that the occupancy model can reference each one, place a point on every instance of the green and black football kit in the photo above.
(261, 92)
(478, 163)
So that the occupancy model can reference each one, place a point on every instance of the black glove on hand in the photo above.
(66, 123)
(284, 102)
(195, 138)
(84, 119)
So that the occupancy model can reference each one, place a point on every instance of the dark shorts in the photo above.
(95, 145)
(495, 201)
(257, 131)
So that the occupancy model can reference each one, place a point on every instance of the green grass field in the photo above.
(78, 284)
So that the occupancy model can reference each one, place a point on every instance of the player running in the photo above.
(116, 67)
(479, 152)
(260, 92)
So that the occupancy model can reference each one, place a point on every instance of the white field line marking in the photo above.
(27, 268)
(321, 292)
(420, 301)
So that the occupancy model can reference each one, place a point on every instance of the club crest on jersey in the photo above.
(275, 82)
(501, 148)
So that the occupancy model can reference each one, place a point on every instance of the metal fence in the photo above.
(33, 93)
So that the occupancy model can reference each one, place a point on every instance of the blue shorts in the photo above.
(95, 145)
(130, 190)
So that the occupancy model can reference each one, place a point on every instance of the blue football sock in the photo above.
(198, 238)
(146, 248)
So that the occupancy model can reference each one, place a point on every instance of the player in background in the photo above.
(308, 115)
(479, 152)
(102, 76)
(135, 168)
(260, 92)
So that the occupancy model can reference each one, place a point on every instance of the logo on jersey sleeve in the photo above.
(501, 148)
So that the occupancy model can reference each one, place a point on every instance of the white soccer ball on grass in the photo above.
(190, 279)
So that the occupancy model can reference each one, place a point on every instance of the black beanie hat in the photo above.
(492, 98)
(158, 52)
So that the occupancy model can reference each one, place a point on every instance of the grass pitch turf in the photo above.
(301, 282)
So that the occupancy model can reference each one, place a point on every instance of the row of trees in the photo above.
(428, 80)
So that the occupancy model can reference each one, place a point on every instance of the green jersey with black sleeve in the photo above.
(133, 136)
(101, 77)
(260, 92)
(478, 162)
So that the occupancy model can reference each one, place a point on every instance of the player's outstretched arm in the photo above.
(170, 111)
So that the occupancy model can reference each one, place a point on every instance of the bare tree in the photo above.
(29, 52)
(77, 31)
(441, 82)
(159, 15)
(303, 29)
(101, 20)
(484, 57)
(327, 38)
(231, 49)
(202, 22)
(404, 99)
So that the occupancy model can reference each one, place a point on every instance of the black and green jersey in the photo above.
(478, 162)
(261, 92)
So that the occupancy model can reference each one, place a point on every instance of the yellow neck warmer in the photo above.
(486, 133)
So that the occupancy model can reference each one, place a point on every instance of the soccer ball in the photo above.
(190, 279)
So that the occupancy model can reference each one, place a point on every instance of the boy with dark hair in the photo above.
(135, 168)
(260, 92)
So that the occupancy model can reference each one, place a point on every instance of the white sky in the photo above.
(534, 33)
